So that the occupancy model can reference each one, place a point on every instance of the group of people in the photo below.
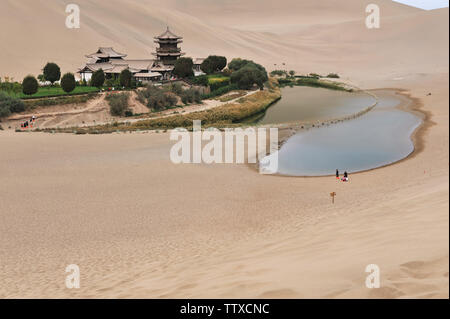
(28, 123)
(344, 178)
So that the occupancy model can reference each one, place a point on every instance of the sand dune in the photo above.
(139, 226)
(297, 33)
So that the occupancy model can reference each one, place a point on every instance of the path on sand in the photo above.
(96, 112)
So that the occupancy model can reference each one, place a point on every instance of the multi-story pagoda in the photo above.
(144, 70)
(168, 51)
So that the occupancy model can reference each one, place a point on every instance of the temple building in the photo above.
(168, 51)
(145, 70)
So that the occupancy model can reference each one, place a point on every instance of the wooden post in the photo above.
(332, 196)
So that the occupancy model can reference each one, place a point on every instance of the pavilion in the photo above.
(144, 70)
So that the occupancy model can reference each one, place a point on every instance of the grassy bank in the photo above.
(54, 91)
(222, 116)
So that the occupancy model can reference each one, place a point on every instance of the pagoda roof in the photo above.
(168, 35)
(168, 53)
(106, 52)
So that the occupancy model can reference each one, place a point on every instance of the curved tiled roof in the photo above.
(168, 35)
(106, 52)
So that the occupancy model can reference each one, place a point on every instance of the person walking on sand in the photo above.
(337, 174)
(345, 179)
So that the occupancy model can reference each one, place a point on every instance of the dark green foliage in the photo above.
(201, 80)
(278, 73)
(11, 87)
(249, 75)
(10, 105)
(68, 82)
(98, 78)
(213, 64)
(52, 72)
(237, 64)
(30, 85)
(118, 103)
(112, 82)
(183, 68)
(125, 78)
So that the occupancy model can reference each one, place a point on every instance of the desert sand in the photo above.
(139, 226)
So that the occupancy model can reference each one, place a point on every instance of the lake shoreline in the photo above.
(407, 103)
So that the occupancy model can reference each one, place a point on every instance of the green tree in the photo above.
(213, 64)
(125, 78)
(98, 78)
(52, 72)
(183, 68)
(30, 85)
(248, 76)
(68, 82)
(292, 73)
(237, 64)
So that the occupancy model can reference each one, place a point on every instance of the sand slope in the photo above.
(306, 36)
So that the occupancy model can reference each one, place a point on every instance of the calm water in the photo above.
(313, 104)
(380, 137)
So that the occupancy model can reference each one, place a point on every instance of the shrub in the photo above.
(52, 72)
(98, 78)
(278, 73)
(218, 84)
(118, 103)
(10, 105)
(11, 87)
(125, 78)
(30, 85)
(176, 88)
(157, 98)
(68, 82)
(4, 111)
(201, 80)
(183, 68)
(190, 96)
(333, 76)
